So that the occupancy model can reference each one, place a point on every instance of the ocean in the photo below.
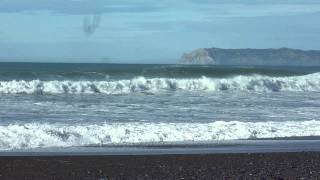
(57, 105)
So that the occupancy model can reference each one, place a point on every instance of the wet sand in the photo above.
(293, 165)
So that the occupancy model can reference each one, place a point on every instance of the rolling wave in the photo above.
(38, 135)
(48, 72)
(259, 83)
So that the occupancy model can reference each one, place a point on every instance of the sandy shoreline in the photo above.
(293, 165)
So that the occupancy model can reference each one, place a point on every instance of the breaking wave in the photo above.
(258, 83)
(37, 135)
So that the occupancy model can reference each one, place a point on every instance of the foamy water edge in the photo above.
(36, 135)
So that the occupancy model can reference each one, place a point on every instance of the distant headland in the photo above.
(269, 57)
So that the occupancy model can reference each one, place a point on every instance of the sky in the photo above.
(150, 31)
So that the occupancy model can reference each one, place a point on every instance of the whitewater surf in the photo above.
(75, 105)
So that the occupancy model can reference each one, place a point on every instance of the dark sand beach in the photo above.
(293, 165)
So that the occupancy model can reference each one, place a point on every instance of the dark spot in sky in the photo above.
(90, 24)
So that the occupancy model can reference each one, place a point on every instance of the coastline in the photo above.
(289, 165)
(251, 159)
(298, 144)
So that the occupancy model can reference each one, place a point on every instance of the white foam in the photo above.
(258, 83)
(58, 135)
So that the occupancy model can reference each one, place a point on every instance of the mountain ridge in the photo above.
(250, 56)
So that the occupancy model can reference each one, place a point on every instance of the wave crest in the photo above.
(54, 135)
(258, 83)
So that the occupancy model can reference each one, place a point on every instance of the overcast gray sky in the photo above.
(150, 31)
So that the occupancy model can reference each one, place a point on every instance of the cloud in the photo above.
(258, 10)
(163, 28)
(212, 8)
(203, 15)
(78, 6)
(254, 1)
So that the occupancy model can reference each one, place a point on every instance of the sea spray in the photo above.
(36, 135)
(257, 83)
